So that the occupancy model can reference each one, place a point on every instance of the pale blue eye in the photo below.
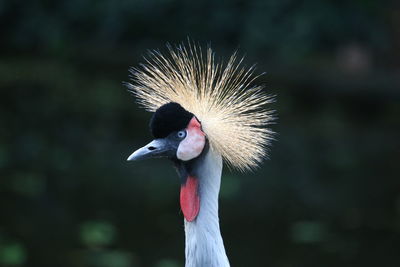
(181, 134)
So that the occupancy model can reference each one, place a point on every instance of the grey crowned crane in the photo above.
(204, 112)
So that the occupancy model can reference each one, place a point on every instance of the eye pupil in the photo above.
(181, 134)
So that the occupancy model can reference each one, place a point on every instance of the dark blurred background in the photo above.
(328, 196)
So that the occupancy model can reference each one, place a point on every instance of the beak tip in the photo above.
(130, 158)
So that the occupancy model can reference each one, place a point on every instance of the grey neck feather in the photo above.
(204, 245)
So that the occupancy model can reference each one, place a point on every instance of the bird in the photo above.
(206, 112)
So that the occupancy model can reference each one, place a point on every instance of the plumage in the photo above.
(222, 96)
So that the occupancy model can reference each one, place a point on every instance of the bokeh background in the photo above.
(328, 196)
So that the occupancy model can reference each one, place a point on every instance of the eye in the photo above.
(181, 134)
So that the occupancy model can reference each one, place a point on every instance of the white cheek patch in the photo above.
(192, 146)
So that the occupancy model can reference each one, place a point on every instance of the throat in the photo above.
(204, 244)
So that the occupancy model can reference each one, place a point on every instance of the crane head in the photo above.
(177, 132)
(223, 97)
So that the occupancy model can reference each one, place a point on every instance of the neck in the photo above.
(204, 245)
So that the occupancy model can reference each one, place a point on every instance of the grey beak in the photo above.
(155, 149)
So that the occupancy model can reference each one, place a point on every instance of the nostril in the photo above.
(151, 148)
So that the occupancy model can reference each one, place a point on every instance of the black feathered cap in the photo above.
(168, 118)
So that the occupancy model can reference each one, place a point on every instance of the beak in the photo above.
(155, 149)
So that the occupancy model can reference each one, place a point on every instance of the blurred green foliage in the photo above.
(12, 254)
(328, 196)
(95, 234)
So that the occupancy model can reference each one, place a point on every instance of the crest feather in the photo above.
(222, 96)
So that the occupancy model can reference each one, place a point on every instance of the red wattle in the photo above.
(189, 198)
